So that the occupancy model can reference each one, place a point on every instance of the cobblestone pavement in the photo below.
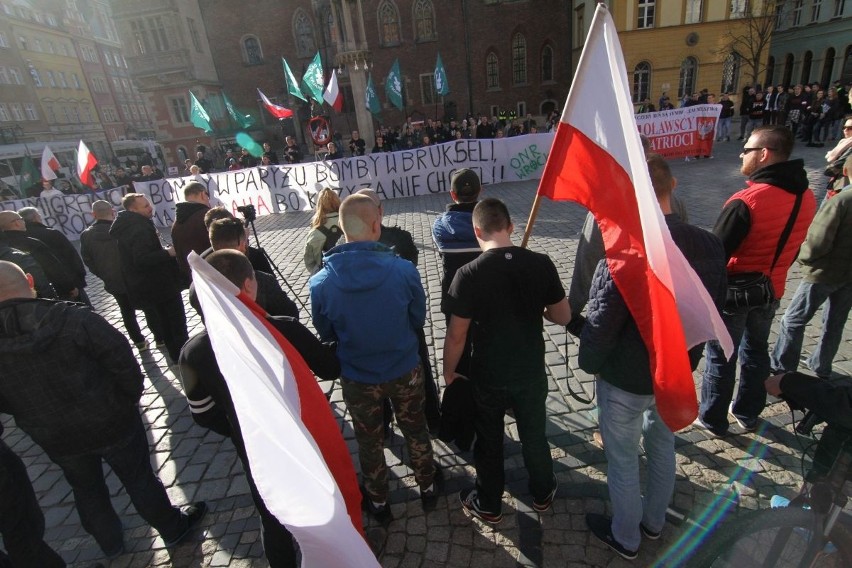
(196, 464)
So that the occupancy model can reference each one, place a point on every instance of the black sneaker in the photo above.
(193, 515)
(649, 534)
(544, 504)
(601, 527)
(381, 513)
(429, 497)
(470, 502)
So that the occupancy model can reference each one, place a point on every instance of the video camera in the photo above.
(248, 212)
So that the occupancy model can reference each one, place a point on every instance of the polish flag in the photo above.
(275, 110)
(86, 161)
(49, 164)
(299, 460)
(597, 160)
(332, 94)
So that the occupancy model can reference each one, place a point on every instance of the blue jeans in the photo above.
(723, 129)
(130, 459)
(623, 418)
(806, 301)
(749, 329)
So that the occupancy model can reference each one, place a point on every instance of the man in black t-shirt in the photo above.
(501, 297)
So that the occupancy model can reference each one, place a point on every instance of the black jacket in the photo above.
(270, 297)
(610, 343)
(150, 273)
(27, 263)
(101, 255)
(189, 233)
(60, 276)
(401, 242)
(458, 409)
(61, 248)
(69, 377)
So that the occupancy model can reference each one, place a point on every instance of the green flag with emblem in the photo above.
(393, 85)
(314, 81)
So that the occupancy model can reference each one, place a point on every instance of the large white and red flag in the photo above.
(299, 460)
(332, 94)
(49, 164)
(275, 110)
(597, 160)
(86, 162)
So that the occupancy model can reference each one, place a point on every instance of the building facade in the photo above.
(812, 43)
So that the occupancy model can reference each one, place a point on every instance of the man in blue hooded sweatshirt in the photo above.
(372, 303)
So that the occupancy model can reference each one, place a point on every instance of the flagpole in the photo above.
(531, 221)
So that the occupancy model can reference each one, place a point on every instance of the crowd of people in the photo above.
(368, 307)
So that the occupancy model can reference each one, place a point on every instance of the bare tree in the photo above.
(750, 34)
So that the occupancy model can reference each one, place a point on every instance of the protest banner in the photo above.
(405, 173)
(681, 132)
(70, 214)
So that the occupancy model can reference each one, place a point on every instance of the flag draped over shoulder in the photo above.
(292, 84)
(275, 110)
(299, 460)
(393, 85)
(442, 87)
(86, 162)
(198, 115)
(372, 99)
(313, 79)
(332, 95)
(242, 120)
(49, 164)
(597, 160)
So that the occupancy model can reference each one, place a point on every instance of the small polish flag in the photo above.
(332, 94)
(49, 164)
(275, 110)
(597, 161)
(86, 161)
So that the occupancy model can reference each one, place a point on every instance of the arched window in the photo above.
(547, 63)
(303, 32)
(329, 31)
(641, 82)
(806, 67)
(827, 68)
(252, 54)
(686, 83)
(519, 59)
(492, 71)
(770, 71)
(787, 79)
(424, 20)
(389, 23)
(730, 73)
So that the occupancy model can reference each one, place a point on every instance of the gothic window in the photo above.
(807, 60)
(252, 53)
(731, 73)
(519, 59)
(303, 30)
(424, 20)
(641, 82)
(492, 71)
(389, 23)
(547, 63)
(686, 84)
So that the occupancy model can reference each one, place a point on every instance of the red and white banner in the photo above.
(597, 160)
(49, 164)
(332, 94)
(681, 132)
(275, 110)
(299, 460)
(86, 161)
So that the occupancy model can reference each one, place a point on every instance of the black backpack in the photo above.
(332, 235)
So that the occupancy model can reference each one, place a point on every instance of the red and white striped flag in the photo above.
(332, 94)
(299, 460)
(49, 164)
(275, 110)
(86, 161)
(597, 160)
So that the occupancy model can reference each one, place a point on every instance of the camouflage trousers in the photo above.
(364, 402)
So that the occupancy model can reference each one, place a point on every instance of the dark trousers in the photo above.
(168, 321)
(527, 400)
(21, 519)
(130, 460)
(128, 316)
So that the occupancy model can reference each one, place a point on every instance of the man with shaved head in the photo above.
(73, 384)
(372, 303)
